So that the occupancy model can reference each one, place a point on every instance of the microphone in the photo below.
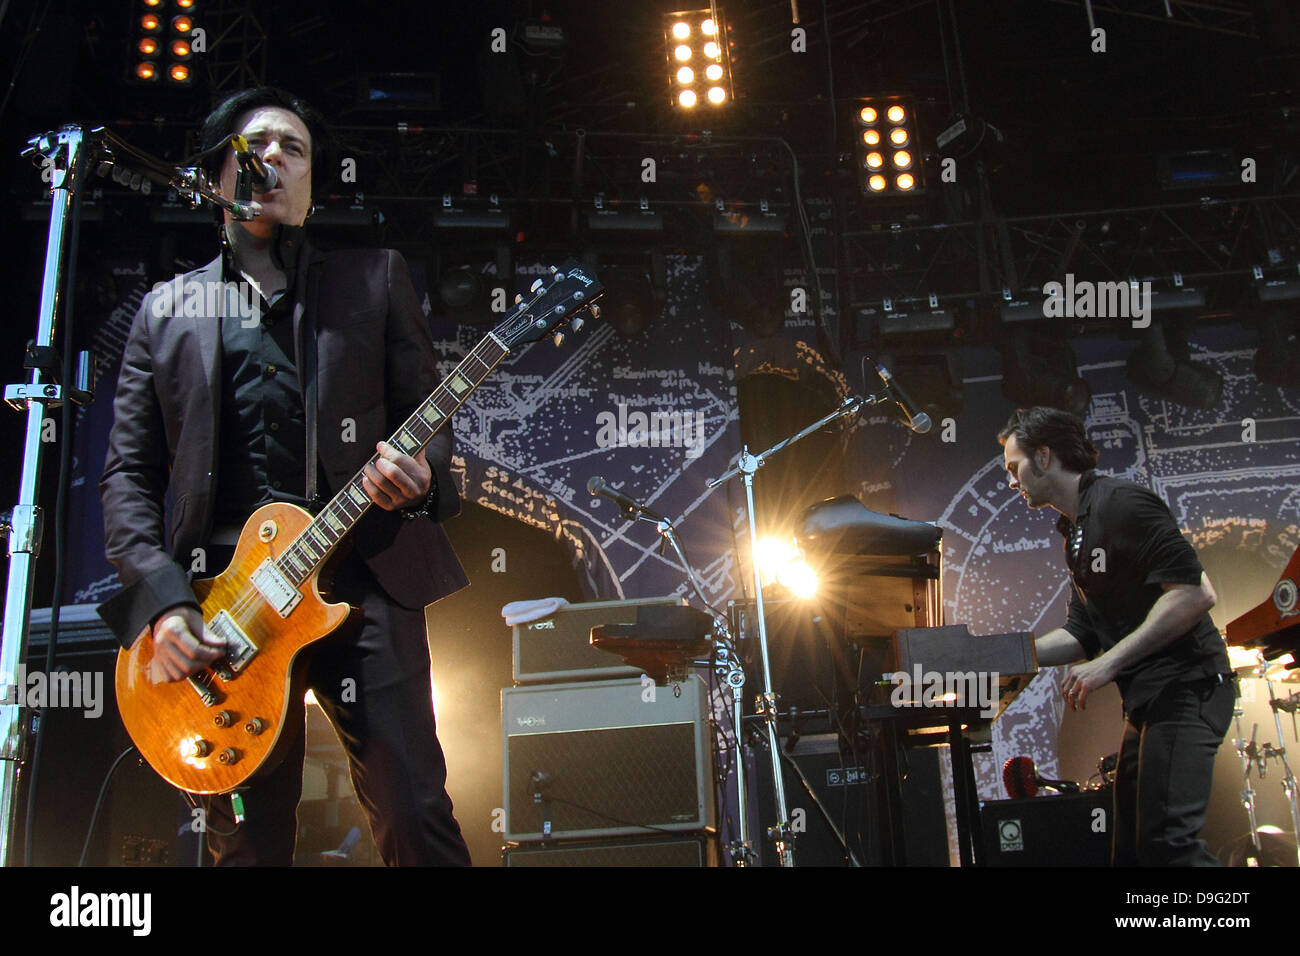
(597, 486)
(917, 420)
(262, 176)
(1021, 779)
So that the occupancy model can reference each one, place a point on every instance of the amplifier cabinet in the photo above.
(606, 758)
(678, 850)
(558, 648)
(1061, 830)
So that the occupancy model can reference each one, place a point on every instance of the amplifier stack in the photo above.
(601, 766)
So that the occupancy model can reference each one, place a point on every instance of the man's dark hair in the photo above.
(1060, 432)
(220, 124)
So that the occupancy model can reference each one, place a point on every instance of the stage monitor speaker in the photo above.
(558, 648)
(678, 851)
(144, 820)
(839, 801)
(1068, 829)
(606, 758)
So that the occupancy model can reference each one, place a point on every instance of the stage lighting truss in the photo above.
(162, 39)
(699, 59)
(888, 159)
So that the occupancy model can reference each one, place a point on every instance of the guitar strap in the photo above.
(310, 386)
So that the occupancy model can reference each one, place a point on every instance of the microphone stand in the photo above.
(69, 154)
(733, 674)
(781, 834)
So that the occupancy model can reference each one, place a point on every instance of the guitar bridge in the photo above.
(239, 649)
(275, 587)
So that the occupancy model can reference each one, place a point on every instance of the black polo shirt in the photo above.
(1122, 547)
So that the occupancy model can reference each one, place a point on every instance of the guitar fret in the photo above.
(324, 542)
(334, 522)
(296, 561)
(431, 415)
(358, 496)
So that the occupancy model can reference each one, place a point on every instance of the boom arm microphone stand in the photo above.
(68, 154)
(781, 834)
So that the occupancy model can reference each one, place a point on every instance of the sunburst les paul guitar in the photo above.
(211, 732)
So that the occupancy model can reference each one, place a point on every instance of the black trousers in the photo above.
(374, 687)
(1165, 773)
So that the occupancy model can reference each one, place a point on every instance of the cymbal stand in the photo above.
(747, 465)
(1247, 752)
(1288, 782)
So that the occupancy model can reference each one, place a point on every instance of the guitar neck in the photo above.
(318, 540)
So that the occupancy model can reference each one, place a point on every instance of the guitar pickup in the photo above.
(239, 649)
(275, 587)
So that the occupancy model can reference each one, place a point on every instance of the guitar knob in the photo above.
(223, 718)
(558, 338)
(255, 726)
(518, 298)
(202, 748)
(228, 756)
(577, 324)
(595, 311)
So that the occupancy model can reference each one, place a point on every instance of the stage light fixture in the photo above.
(150, 23)
(153, 3)
(148, 72)
(179, 73)
(185, 4)
(147, 46)
(887, 119)
(182, 24)
(180, 50)
(695, 37)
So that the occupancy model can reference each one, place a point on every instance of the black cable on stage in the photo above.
(99, 802)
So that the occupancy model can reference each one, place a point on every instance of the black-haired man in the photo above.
(1138, 614)
(220, 411)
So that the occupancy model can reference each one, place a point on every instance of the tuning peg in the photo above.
(577, 324)
(558, 338)
(554, 270)
(518, 298)
(537, 284)
(595, 311)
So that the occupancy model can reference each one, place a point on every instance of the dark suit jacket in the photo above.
(375, 364)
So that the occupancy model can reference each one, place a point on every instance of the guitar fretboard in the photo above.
(309, 550)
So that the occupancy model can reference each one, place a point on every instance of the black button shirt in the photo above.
(263, 431)
(1122, 547)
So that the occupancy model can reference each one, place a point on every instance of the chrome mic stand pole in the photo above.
(1288, 781)
(781, 834)
(65, 156)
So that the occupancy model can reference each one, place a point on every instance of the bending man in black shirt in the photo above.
(1138, 615)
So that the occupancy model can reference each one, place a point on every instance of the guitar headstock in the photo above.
(557, 300)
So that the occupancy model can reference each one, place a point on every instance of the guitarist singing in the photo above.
(218, 413)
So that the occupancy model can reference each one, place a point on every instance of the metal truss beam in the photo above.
(1234, 19)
